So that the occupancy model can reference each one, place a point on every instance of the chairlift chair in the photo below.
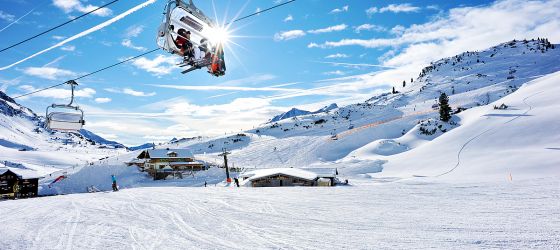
(179, 15)
(65, 121)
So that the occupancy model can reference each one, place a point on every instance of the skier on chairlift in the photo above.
(183, 42)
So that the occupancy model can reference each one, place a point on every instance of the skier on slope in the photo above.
(115, 187)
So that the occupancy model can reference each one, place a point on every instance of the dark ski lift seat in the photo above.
(63, 120)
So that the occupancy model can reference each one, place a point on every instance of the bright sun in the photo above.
(220, 35)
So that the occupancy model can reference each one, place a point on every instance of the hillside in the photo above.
(385, 137)
(25, 143)
(473, 80)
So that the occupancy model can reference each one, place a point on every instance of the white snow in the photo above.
(411, 214)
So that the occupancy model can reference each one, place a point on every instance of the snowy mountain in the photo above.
(363, 138)
(30, 149)
(395, 135)
(298, 112)
(99, 140)
(291, 113)
(143, 146)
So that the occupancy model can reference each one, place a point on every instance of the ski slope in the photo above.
(491, 144)
(406, 214)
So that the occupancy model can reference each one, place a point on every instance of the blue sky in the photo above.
(306, 54)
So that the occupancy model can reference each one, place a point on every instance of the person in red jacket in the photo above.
(184, 44)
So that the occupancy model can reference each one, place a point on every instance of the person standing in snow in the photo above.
(115, 187)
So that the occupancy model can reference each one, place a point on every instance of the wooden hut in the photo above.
(14, 186)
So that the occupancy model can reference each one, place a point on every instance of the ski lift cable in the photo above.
(58, 26)
(261, 11)
(131, 58)
(89, 74)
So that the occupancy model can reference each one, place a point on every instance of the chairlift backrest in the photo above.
(65, 121)
(179, 15)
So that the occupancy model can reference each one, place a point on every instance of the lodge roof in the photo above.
(323, 172)
(294, 172)
(23, 174)
(164, 153)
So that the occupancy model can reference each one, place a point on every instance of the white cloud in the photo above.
(367, 26)
(231, 88)
(339, 27)
(132, 92)
(9, 82)
(466, 28)
(161, 65)
(68, 48)
(102, 100)
(129, 91)
(58, 93)
(289, 18)
(356, 65)
(433, 7)
(49, 73)
(58, 37)
(336, 72)
(128, 43)
(288, 35)
(7, 17)
(398, 30)
(337, 55)
(75, 5)
(134, 31)
(313, 45)
(372, 11)
(339, 10)
(395, 8)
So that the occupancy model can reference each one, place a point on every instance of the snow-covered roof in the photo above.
(163, 153)
(295, 172)
(25, 174)
(194, 163)
(323, 172)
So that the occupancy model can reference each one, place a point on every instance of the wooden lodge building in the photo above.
(161, 163)
(287, 177)
(15, 186)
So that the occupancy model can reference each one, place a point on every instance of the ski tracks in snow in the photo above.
(464, 146)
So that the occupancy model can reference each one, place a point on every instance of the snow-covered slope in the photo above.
(26, 144)
(522, 141)
(363, 137)
(389, 133)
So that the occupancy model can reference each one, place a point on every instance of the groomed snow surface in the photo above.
(409, 214)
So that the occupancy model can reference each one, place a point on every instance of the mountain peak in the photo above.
(297, 112)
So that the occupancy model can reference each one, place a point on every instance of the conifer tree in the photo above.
(444, 109)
